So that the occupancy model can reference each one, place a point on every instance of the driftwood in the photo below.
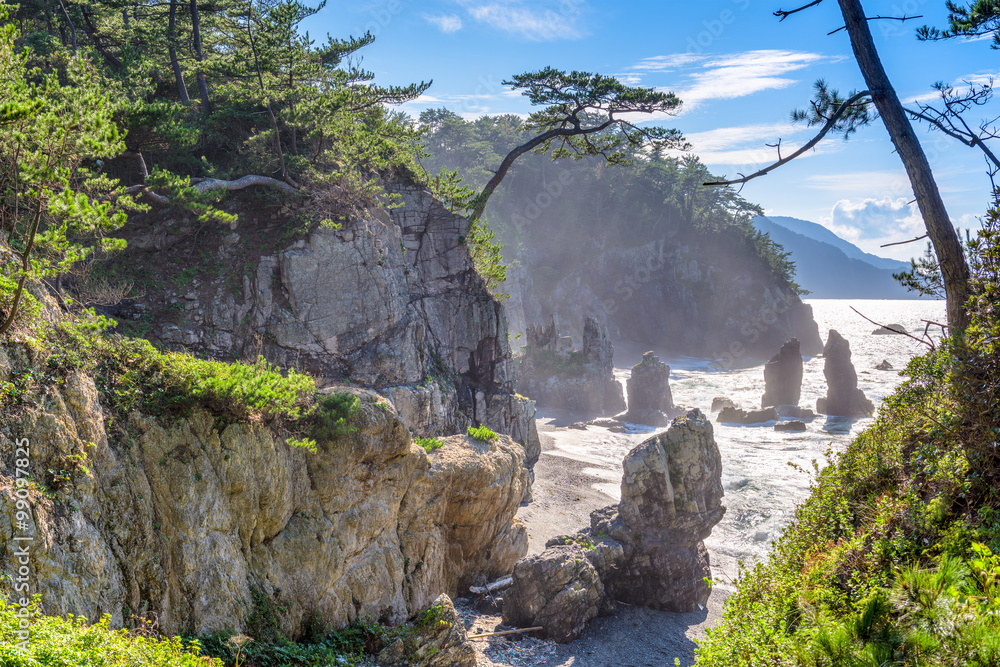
(505, 632)
(493, 586)
(210, 184)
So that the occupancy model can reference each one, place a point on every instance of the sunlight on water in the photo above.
(761, 487)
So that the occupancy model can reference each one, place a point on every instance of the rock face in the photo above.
(190, 516)
(697, 300)
(843, 398)
(438, 640)
(649, 398)
(558, 590)
(649, 549)
(391, 301)
(581, 381)
(783, 376)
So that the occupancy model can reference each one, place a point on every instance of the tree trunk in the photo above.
(954, 270)
(182, 91)
(206, 107)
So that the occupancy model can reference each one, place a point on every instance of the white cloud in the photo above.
(871, 223)
(742, 74)
(536, 21)
(446, 23)
(666, 63)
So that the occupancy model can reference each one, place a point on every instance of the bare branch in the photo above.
(903, 242)
(928, 343)
(901, 19)
(782, 15)
(809, 144)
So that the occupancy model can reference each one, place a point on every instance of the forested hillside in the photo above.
(641, 244)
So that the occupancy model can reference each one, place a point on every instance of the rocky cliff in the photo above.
(388, 299)
(193, 519)
(668, 295)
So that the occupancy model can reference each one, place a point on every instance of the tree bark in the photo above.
(206, 106)
(951, 258)
(172, 50)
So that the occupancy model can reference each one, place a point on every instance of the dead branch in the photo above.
(505, 632)
(903, 242)
(809, 144)
(782, 15)
(928, 343)
(901, 19)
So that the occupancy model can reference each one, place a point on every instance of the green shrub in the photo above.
(481, 433)
(334, 415)
(430, 444)
(72, 642)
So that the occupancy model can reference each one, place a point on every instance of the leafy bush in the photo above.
(481, 433)
(72, 642)
(430, 444)
(334, 415)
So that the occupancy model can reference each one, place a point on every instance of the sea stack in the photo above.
(783, 376)
(649, 398)
(843, 398)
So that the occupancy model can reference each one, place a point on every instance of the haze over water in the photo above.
(761, 488)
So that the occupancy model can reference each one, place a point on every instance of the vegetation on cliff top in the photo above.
(894, 559)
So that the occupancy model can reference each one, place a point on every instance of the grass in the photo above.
(482, 433)
(73, 642)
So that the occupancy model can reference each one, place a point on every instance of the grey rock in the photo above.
(437, 639)
(783, 376)
(843, 398)
(889, 330)
(884, 365)
(794, 425)
(738, 416)
(795, 412)
(649, 397)
(720, 402)
(558, 590)
(580, 381)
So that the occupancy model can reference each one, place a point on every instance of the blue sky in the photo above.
(737, 69)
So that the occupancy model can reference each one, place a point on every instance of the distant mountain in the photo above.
(821, 233)
(830, 267)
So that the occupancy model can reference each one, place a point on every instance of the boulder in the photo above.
(720, 402)
(794, 425)
(738, 416)
(558, 590)
(671, 498)
(889, 329)
(649, 398)
(795, 412)
(437, 639)
(783, 376)
(884, 365)
(843, 398)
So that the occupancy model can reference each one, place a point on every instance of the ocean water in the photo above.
(761, 488)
